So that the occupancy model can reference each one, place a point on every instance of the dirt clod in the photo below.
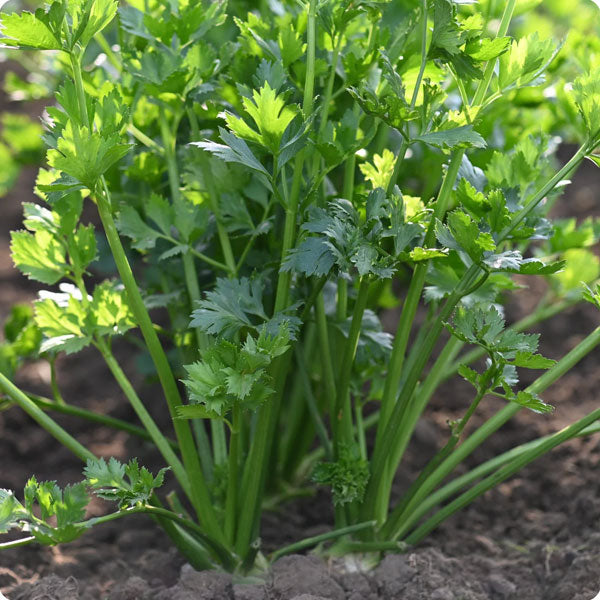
(48, 588)
(245, 591)
(296, 575)
(199, 585)
(501, 588)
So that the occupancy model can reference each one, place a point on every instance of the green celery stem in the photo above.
(502, 416)
(42, 419)
(199, 489)
(138, 406)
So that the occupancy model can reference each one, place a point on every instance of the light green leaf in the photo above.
(234, 150)
(86, 155)
(63, 325)
(270, 114)
(418, 254)
(525, 61)
(586, 93)
(133, 226)
(380, 172)
(532, 402)
(458, 137)
(40, 256)
(582, 266)
(290, 45)
(484, 49)
(90, 18)
(26, 30)
(530, 360)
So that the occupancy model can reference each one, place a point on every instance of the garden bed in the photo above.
(535, 536)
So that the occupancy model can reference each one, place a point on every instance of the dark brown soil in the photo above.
(535, 536)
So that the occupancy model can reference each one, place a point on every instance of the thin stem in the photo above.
(250, 242)
(488, 466)
(193, 120)
(348, 193)
(419, 490)
(42, 419)
(317, 539)
(157, 511)
(324, 108)
(397, 166)
(78, 80)
(501, 417)
(360, 430)
(484, 84)
(144, 139)
(191, 282)
(311, 403)
(202, 500)
(203, 257)
(503, 473)
(291, 209)
(350, 547)
(411, 302)
(17, 543)
(138, 406)
(88, 415)
(325, 353)
(58, 397)
(213, 198)
(424, 15)
(256, 464)
(313, 297)
(342, 299)
(391, 433)
(113, 59)
(343, 413)
(575, 160)
(193, 288)
(231, 503)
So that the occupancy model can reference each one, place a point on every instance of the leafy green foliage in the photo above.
(179, 224)
(346, 241)
(380, 172)
(474, 231)
(506, 349)
(61, 512)
(586, 94)
(70, 322)
(280, 172)
(235, 150)
(61, 26)
(347, 476)
(23, 136)
(54, 247)
(232, 373)
(86, 155)
(526, 60)
(269, 113)
(581, 267)
(27, 30)
(237, 304)
(54, 515)
(22, 339)
(127, 484)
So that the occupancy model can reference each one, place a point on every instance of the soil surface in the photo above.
(535, 536)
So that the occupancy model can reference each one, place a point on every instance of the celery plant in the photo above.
(268, 176)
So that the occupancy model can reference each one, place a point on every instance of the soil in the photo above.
(535, 536)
